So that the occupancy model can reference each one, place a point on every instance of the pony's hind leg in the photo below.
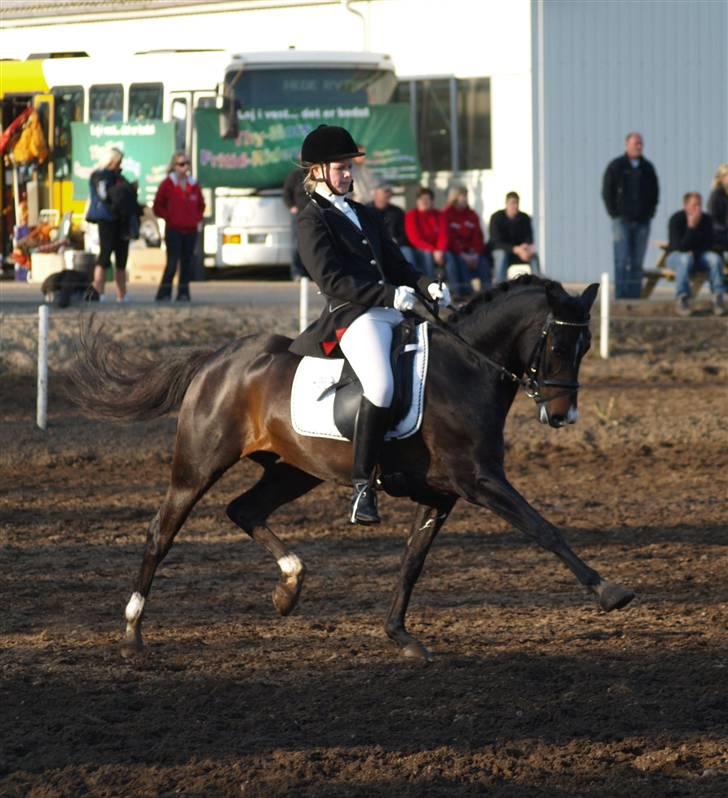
(427, 523)
(279, 485)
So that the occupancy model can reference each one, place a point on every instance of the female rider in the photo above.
(366, 283)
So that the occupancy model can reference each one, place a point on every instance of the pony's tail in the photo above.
(109, 383)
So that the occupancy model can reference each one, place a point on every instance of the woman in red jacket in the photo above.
(179, 202)
(465, 244)
(425, 229)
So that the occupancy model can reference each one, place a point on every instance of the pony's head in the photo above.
(552, 375)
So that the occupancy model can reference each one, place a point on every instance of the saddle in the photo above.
(326, 394)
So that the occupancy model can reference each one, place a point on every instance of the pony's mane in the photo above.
(491, 297)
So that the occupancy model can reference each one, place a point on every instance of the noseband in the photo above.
(530, 381)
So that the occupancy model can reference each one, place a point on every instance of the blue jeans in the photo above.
(630, 245)
(422, 259)
(685, 264)
(180, 250)
(296, 268)
(459, 275)
(502, 259)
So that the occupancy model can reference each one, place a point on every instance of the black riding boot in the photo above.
(369, 430)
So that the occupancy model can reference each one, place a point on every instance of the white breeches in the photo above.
(366, 344)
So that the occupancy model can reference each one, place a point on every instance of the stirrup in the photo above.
(364, 505)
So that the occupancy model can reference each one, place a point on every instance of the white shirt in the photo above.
(342, 205)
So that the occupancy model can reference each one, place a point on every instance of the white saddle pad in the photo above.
(314, 417)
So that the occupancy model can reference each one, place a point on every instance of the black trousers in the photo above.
(180, 249)
(110, 240)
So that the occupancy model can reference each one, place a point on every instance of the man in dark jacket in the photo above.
(296, 199)
(691, 237)
(511, 238)
(393, 218)
(630, 192)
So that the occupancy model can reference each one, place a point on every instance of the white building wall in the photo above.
(462, 38)
(613, 66)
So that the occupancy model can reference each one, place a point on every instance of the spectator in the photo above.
(393, 218)
(426, 232)
(296, 199)
(511, 238)
(113, 229)
(465, 245)
(179, 202)
(691, 237)
(364, 181)
(718, 208)
(630, 192)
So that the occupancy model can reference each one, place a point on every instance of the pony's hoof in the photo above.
(285, 597)
(130, 649)
(415, 650)
(613, 596)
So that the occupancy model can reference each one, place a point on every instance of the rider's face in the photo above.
(339, 175)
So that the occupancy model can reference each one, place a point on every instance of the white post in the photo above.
(604, 317)
(42, 404)
(303, 305)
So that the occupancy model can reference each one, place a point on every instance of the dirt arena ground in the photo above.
(533, 691)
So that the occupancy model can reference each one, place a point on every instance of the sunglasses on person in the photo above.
(182, 163)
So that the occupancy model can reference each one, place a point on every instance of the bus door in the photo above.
(44, 105)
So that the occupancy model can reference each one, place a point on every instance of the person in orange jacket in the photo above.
(179, 202)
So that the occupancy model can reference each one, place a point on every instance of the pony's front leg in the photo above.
(492, 490)
(427, 523)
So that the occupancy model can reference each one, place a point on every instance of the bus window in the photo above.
(145, 101)
(311, 86)
(106, 103)
(434, 125)
(68, 108)
(179, 115)
(473, 109)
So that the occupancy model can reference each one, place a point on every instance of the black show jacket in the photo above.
(354, 269)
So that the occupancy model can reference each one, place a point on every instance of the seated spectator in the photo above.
(393, 218)
(718, 208)
(465, 244)
(691, 237)
(425, 228)
(511, 238)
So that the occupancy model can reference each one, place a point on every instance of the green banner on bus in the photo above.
(147, 148)
(269, 143)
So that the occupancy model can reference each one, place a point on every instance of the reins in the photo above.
(530, 380)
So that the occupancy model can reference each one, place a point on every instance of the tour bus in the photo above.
(243, 226)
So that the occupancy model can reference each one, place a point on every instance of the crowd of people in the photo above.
(446, 244)
(697, 241)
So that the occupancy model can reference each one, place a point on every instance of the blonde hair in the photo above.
(310, 181)
(177, 154)
(114, 157)
(455, 192)
(719, 175)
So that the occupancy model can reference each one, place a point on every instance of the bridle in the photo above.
(531, 382)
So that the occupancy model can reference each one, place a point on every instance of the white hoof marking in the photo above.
(134, 608)
(290, 565)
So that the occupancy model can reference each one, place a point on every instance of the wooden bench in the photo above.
(661, 272)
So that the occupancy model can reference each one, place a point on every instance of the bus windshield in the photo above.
(298, 87)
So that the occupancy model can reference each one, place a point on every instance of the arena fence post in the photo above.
(604, 317)
(303, 305)
(42, 401)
